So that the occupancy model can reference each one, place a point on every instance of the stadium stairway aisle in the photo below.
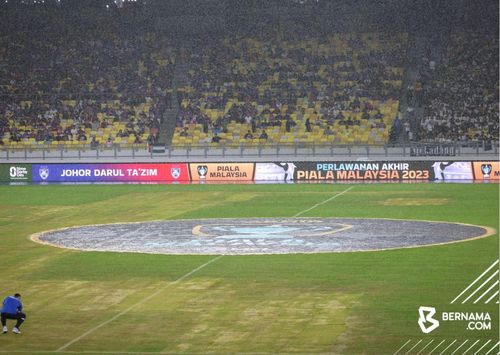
(168, 125)
(414, 52)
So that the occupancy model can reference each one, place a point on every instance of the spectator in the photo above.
(308, 125)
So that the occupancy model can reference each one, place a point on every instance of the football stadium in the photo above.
(249, 177)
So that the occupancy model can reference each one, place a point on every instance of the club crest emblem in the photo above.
(43, 171)
(175, 172)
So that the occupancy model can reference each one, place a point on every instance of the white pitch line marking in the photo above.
(489, 299)
(414, 346)
(484, 283)
(453, 342)
(138, 303)
(473, 282)
(466, 340)
(437, 346)
(325, 201)
(493, 348)
(477, 341)
(481, 348)
(429, 343)
(486, 292)
(401, 348)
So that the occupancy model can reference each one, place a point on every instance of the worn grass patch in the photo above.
(255, 316)
(415, 202)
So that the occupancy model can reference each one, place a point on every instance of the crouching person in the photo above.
(12, 309)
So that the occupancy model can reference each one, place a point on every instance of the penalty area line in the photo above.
(144, 300)
(323, 202)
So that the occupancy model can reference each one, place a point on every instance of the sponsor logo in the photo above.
(18, 173)
(486, 170)
(175, 172)
(425, 321)
(202, 171)
(44, 172)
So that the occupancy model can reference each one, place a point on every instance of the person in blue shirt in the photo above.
(12, 309)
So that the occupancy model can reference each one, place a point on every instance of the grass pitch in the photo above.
(346, 303)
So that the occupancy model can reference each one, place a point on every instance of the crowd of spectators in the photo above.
(96, 86)
(341, 81)
(105, 85)
(461, 91)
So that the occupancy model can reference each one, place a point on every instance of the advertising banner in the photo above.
(344, 171)
(486, 170)
(15, 172)
(138, 172)
(451, 170)
(277, 172)
(221, 171)
(291, 171)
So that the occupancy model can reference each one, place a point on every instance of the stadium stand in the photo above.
(287, 84)
(341, 89)
(461, 92)
(83, 89)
